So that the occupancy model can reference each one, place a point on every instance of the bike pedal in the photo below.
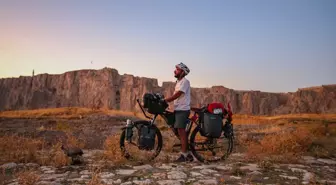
(175, 150)
(176, 145)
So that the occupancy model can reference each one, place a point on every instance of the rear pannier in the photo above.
(212, 120)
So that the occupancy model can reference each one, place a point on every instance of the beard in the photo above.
(178, 75)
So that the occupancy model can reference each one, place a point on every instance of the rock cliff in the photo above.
(105, 88)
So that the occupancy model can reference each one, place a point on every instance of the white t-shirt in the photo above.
(183, 102)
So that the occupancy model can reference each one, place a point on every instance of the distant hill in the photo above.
(106, 88)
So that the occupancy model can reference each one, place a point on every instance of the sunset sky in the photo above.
(273, 46)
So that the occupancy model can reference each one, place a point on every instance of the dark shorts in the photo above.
(181, 118)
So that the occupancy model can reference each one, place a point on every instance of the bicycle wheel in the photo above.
(210, 149)
(131, 150)
(229, 133)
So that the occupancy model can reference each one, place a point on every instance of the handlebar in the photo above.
(142, 109)
(196, 110)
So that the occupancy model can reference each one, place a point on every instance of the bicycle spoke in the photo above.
(132, 151)
(208, 149)
(132, 143)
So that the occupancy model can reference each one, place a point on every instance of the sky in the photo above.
(266, 45)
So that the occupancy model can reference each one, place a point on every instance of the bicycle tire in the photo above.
(137, 123)
(232, 137)
(200, 157)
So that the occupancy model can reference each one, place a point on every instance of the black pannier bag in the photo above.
(147, 135)
(212, 120)
(211, 125)
(153, 104)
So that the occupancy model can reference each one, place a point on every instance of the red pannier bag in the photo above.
(216, 108)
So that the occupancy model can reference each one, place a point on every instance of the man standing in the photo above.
(181, 98)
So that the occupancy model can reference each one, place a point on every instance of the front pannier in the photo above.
(147, 135)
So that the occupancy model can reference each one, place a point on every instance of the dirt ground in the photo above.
(94, 129)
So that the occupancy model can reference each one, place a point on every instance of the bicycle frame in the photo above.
(152, 120)
(210, 144)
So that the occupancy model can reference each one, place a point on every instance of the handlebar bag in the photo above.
(153, 104)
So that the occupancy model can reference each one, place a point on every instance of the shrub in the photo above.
(282, 146)
(19, 149)
(27, 178)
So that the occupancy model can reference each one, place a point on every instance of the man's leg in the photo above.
(184, 140)
(180, 123)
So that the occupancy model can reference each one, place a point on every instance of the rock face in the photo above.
(105, 88)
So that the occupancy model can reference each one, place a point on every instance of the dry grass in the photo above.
(309, 137)
(288, 118)
(236, 171)
(27, 177)
(323, 147)
(266, 165)
(25, 150)
(64, 113)
(79, 112)
(19, 149)
(285, 146)
(247, 119)
(305, 116)
(112, 151)
(267, 129)
(95, 179)
(291, 145)
(311, 134)
(54, 156)
(169, 140)
(72, 141)
(63, 126)
(70, 112)
(123, 113)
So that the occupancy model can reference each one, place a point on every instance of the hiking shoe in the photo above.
(189, 158)
(180, 159)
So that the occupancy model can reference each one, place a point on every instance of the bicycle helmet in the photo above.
(183, 67)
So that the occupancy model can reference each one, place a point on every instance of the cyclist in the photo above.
(181, 98)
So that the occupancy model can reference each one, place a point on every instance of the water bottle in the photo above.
(188, 125)
(129, 131)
